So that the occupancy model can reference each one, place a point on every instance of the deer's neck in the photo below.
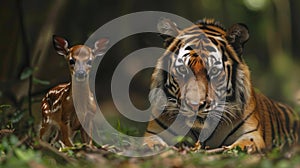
(83, 100)
(81, 90)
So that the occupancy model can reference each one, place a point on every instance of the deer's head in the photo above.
(79, 57)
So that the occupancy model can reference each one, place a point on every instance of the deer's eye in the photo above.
(72, 62)
(89, 62)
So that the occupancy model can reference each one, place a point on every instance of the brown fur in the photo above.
(249, 119)
(58, 111)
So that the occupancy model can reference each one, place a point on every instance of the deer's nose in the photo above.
(80, 75)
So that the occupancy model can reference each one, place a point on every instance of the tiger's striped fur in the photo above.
(209, 90)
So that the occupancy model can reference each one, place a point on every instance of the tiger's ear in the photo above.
(237, 35)
(61, 45)
(168, 30)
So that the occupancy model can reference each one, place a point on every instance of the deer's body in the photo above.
(57, 116)
(58, 111)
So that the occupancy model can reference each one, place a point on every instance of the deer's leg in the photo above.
(49, 133)
(43, 130)
(65, 134)
(55, 138)
(86, 135)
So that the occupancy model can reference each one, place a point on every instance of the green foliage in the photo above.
(70, 151)
(126, 129)
(3, 113)
(13, 154)
(17, 116)
(39, 81)
(235, 151)
(27, 72)
(3, 107)
(180, 139)
(12, 118)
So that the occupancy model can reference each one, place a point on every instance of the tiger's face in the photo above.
(198, 71)
(201, 76)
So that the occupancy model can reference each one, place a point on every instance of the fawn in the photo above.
(58, 111)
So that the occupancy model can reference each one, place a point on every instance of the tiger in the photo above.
(201, 90)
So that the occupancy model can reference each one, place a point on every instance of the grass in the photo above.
(29, 152)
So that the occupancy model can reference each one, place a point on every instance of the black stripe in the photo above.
(228, 76)
(210, 49)
(193, 30)
(233, 80)
(223, 44)
(213, 34)
(286, 116)
(151, 132)
(165, 127)
(263, 118)
(214, 41)
(211, 31)
(278, 123)
(282, 112)
(230, 54)
(205, 29)
(252, 130)
(188, 40)
(295, 130)
(195, 134)
(269, 111)
(237, 127)
(224, 56)
(160, 123)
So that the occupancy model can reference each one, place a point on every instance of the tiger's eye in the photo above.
(182, 69)
(214, 71)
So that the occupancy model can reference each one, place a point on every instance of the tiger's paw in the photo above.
(155, 142)
(247, 146)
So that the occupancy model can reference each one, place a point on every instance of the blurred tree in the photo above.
(272, 51)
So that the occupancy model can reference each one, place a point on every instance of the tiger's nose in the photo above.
(196, 106)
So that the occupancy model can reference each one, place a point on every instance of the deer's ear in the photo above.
(237, 35)
(61, 45)
(168, 30)
(100, 46)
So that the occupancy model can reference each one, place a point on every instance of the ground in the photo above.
(30, 152)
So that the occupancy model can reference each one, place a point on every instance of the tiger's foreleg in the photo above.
(153, 141)
(251, 143)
